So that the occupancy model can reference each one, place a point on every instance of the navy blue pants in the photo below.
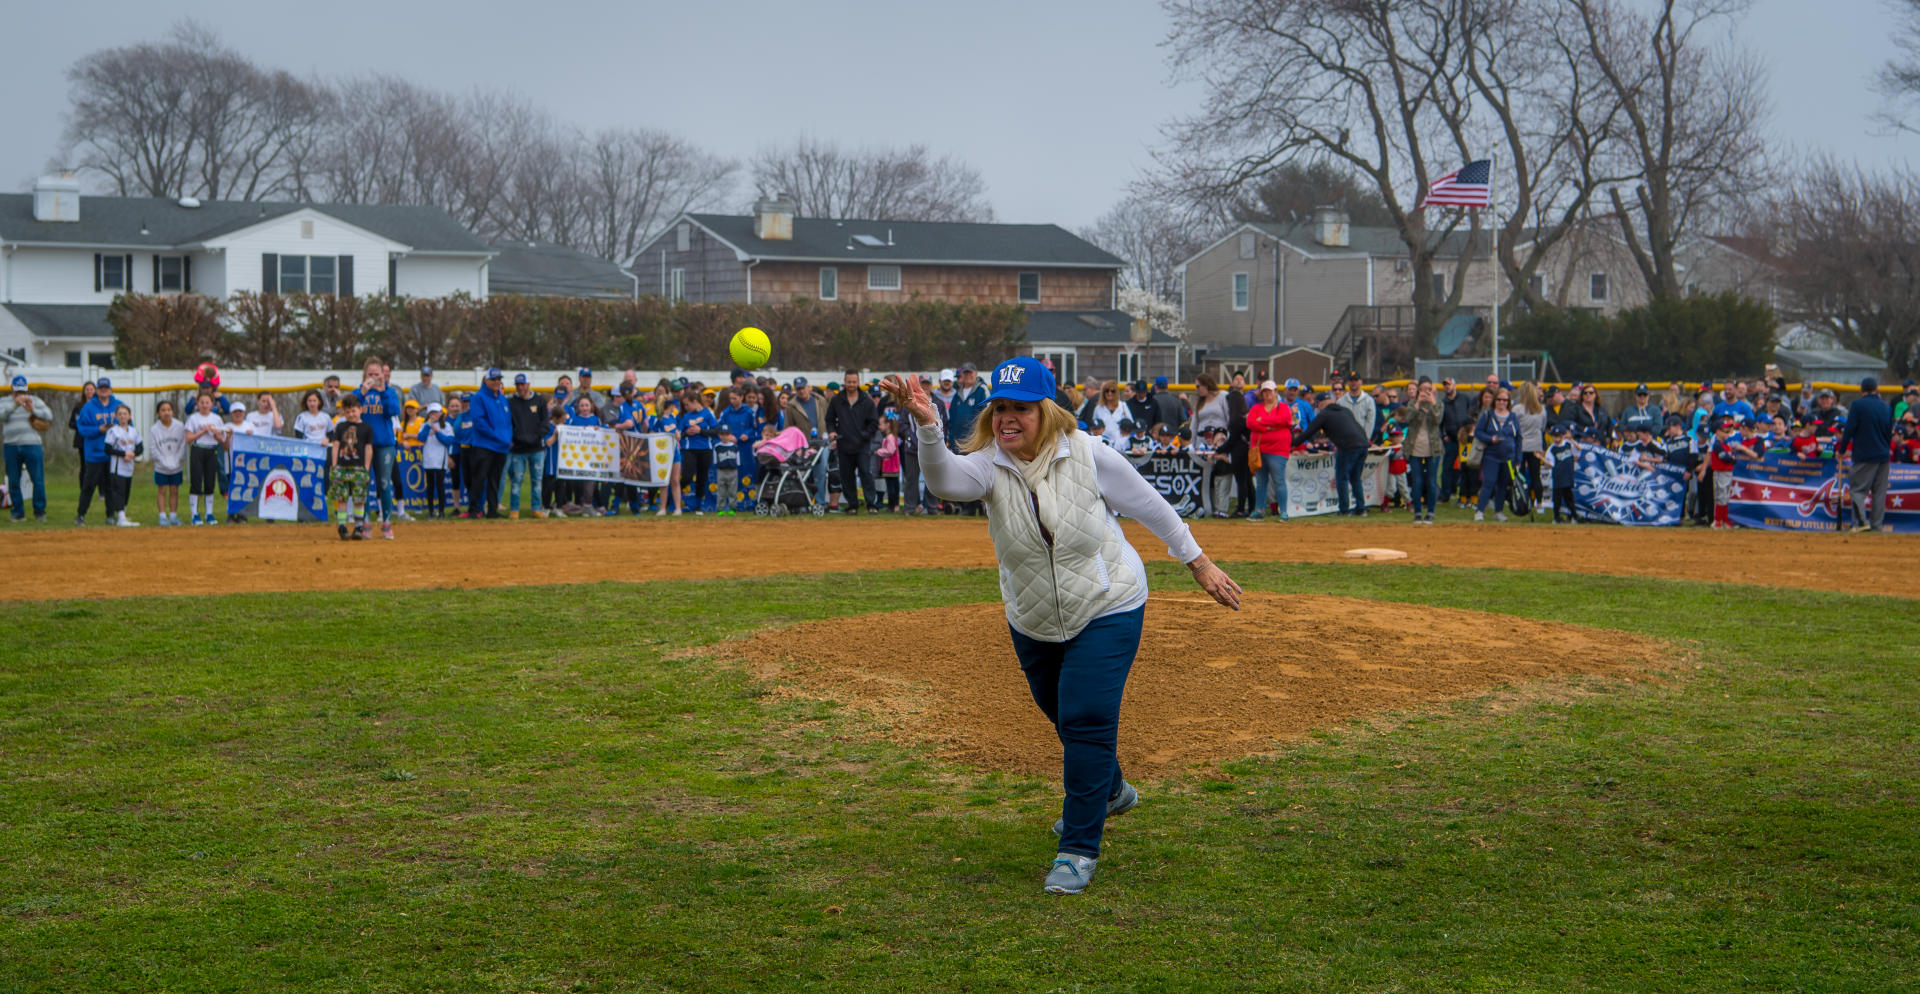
(1078, 684)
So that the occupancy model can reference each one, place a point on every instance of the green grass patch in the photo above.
(542, 789)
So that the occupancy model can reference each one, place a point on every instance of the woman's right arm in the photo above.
(948, 476)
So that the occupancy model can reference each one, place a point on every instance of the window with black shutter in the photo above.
(269, 272)
(393, 277)
(96, 273)
(345, 270)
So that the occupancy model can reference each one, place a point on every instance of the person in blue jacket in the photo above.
(460, 415)
(698, 429)
(380, 409)
(665, 420)
(1498, 435)
(1868, 440)
(492, 437)
(630, 414)
(91, 423)
(744, 422)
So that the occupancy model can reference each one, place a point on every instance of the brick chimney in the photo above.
(773, 219)
(56, 198)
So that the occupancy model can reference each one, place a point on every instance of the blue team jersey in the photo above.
(1737, 408)
(709, 426)
(635, 411)
(665, 423)
(378, 408)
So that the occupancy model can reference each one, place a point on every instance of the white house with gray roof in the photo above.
(64, 257)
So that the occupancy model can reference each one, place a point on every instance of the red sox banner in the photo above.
(1782, 493)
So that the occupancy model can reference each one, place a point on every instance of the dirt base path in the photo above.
(107, 562)
(1209, 685)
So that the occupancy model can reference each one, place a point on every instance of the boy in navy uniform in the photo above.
(1561, 454)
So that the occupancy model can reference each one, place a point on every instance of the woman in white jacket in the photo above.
(1075, 589)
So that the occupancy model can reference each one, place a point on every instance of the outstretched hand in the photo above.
(910, 396)
(1218, 585)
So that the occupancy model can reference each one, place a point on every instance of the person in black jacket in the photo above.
(1239, 447)
(526, 448)
(1867, 440)
(1456, 412)
(1336, 422)
(852, 422)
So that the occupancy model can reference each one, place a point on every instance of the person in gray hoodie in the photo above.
(24, 450)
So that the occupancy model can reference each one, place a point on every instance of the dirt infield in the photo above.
(105, 562)
(1209, 685)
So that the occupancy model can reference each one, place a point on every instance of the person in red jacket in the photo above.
(1270, 422)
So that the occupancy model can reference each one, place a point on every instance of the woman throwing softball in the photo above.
(1076, 590)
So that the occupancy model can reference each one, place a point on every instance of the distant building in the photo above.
(543, 269)
(64, 257)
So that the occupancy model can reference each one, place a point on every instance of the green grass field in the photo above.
(543, 789)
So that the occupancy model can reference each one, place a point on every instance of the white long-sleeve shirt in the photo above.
(970, 477)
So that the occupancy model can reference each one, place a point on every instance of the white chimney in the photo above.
(1330, 227)
(56, 198)
(773, 219)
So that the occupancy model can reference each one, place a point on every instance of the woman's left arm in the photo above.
(1126, 491)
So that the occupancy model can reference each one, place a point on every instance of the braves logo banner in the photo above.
(1608, 486)
(1782, 493)
(277, 479)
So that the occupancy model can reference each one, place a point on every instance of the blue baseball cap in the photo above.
(493, 372)
(519, 379)
(1292, 383)
(103, 383)
(586, 372)
(19, 384)
(426, 371)
(799, 381)
(1022, 378)
(1159, 383)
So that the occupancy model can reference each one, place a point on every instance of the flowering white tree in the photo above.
(1161, 313)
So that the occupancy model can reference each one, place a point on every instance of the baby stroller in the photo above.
(783, 486)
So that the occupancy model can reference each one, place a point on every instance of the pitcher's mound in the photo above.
(1209, 684)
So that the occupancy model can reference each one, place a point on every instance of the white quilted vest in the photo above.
(1052, 592)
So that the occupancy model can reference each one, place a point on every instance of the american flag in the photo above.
(1469, 186)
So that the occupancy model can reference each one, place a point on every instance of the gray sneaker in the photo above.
(1071, 873)
(1117, 804)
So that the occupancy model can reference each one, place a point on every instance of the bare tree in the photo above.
(1154, 240)
(634, 180)
(1900, 77)
(872, 184)
(1691, 111)
(187, 117)
(1365, 84)
(1291, 193)
(1850, 261)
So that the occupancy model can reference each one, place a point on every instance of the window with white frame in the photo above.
(683, 237)
(1538, 284)
(1597, 286)
(1439, 285)
(1129, 367)
(114, 272)
(829, 283)
(1242, 290)
(1693, 290)
(1065, 364)
(1029, 288)
(883, 277)
(677, 285)
(1246, 245)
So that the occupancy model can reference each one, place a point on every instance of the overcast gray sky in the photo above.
(1056, 102)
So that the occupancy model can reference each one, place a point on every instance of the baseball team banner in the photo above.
(1311, 488)
(277, 479)
(607, 455)
(1782, 493)
(1608, 486)
(412, 493)
(1175, 476)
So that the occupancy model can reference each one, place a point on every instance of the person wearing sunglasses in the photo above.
(1588, 412)
(1498, 435)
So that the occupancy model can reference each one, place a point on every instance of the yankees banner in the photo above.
(1608, 486)
(277, 479)
(1782, 493)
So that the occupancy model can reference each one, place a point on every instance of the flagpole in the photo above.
(1493, 212)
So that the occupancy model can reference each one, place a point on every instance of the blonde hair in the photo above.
(1055, 422)
(1530, 397)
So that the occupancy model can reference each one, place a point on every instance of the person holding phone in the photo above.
(1075, 589)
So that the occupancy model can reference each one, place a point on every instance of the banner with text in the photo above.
(604, 454)
(1782, 493)
(1311, 488)
(277, 479)
(1609, 486)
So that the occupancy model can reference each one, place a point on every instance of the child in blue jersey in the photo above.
(379, 411)
(550, 483)
(726, 471)
(460, 415)
(666, 421)
(584, 491)
(698, 426)
(1561, 456)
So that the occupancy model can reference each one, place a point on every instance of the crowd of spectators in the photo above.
(480, 450)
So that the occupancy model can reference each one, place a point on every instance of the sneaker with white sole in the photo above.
(1500, 516)
(1479, 516)
(1120, 803)
(1070, 874)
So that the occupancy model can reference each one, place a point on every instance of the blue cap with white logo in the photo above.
(1022, 378)
(103, 384)
(1292, 384)
(493, 372)
(19, 384)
